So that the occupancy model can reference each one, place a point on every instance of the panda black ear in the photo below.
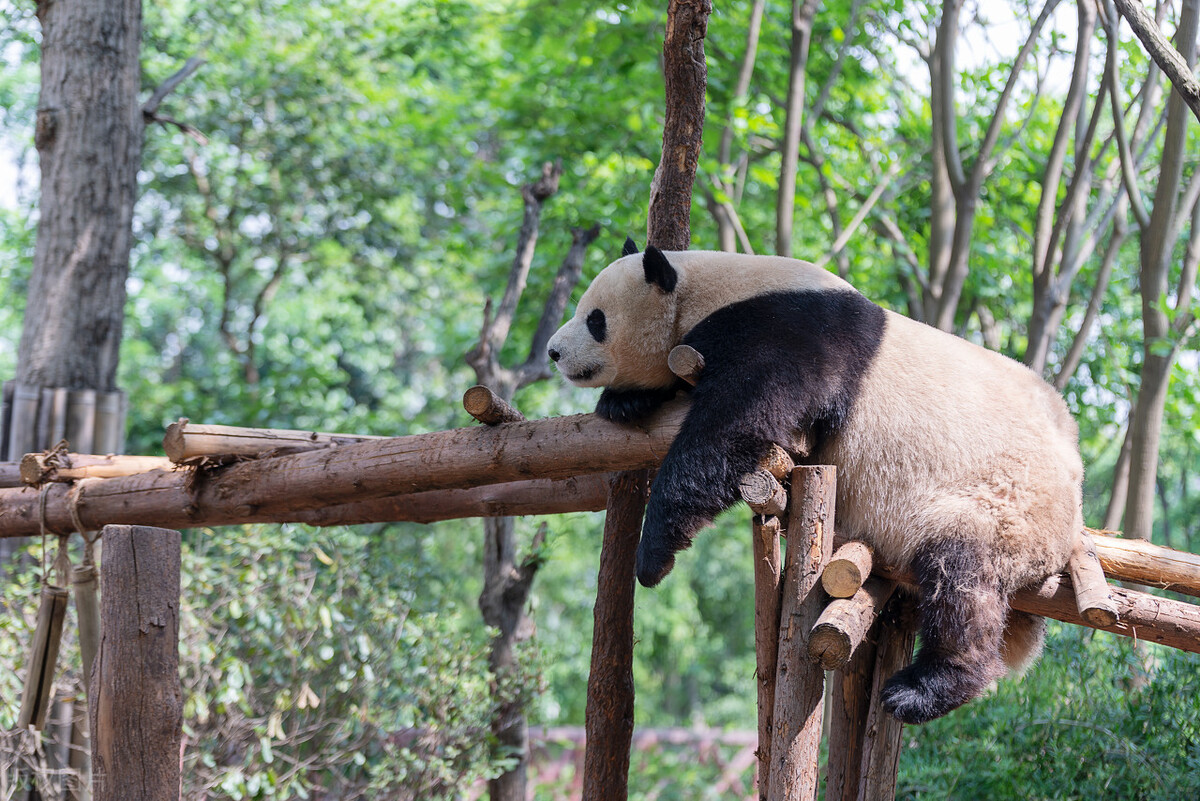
(630, 247)
(658, 270)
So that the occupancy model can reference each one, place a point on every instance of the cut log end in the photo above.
(829, 646)
(762, 493)
(489, 408)
(686, 362)
(847, 570)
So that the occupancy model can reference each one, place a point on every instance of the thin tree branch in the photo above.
(1128, 173)
(861, 215)
(166, 87)
(1169, 60)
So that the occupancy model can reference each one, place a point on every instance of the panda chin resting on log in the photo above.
(953, 461)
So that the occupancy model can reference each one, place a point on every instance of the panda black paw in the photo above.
(653, 565)
(631, 405)
(922, 692)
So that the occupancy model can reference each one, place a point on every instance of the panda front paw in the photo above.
(631, 405)
(653, 564)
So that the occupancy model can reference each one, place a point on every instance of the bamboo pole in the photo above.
(38, 468)
(280, 487)
(81, 420)
(765, 532)
(1092, 597)
(187, 443)
(844, 623)
(799, 684)
(43, 658)
(87, 610)
(848, 568)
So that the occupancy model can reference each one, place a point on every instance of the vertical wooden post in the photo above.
(766, 637)
(800, 684)
(881, 733)
(609, 714)
(136, 712)
(850, 704)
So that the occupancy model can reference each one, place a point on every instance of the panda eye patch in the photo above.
(597, 325)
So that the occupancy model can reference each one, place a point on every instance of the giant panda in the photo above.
(953, 461)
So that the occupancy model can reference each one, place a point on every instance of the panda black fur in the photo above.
(954, 461)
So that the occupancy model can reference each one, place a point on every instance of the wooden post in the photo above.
(881, 732)
(609, 714)
(799, 684)
(850, 701)
(766, 637)
(137, 712)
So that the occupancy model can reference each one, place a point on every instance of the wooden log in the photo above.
(489, 408)
(762, 493)
(881, 732)
(279, 487)
(10, 475)
(686, 362)
(799, 684)
(587, 493)
(778, 463)
(1139, 615)
(191, 443)
(608, 717)
(38, 468)
(850, 703)
(845, 622)
(848, 568)
(767, 572)
(1145, 563)
(137, 713)
(1092, 598)
(43, 658)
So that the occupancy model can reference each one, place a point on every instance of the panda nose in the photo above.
(554, 355)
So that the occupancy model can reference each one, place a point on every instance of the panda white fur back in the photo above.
(954, 461)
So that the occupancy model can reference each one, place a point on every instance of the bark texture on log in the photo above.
(489, 408)
(850, 703)
(767, 573)
(137, 712)
(881, 733)
(280, 487)
(89, 142)
(1145, 563)
(1093, 601)
(186, 442)
(799, 684)
(37, 468)
(609, 714)
(845, 622)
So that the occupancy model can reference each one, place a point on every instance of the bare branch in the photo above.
(1160, 50)
(1128, 173)
(151, 105)
(536, 367)
(861, 215)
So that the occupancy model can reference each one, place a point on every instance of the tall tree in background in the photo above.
(89, 142)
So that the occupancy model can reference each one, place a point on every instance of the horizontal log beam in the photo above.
(275, 489)
(192, 443)
(10, 475)
(1146, 563)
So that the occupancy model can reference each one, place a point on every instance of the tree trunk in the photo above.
(803, 12)
(1158, 348)
(89, 142)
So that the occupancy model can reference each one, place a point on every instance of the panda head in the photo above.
(624, 327)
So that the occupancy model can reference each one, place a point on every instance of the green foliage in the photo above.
(1073, 728)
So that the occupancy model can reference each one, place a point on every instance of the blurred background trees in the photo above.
(315, 252)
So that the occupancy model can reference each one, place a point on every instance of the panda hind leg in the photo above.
(962, 619)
